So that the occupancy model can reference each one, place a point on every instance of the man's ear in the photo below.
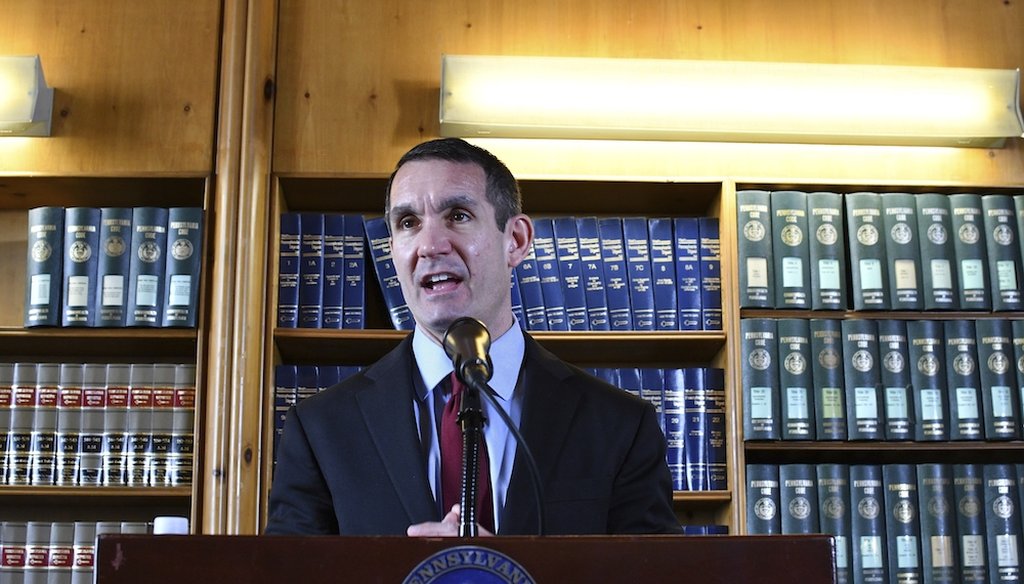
(519, 237)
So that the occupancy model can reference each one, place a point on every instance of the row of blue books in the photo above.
(113, 266)
(898, 523)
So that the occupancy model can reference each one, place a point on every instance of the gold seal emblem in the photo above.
(969, 506)
(901, 233)
(800, 508)
(827, 234)
(79, 251)
(149, 252)
(969, 233)
(114, 246)
(41, 251)
(998, 363)
(963, 364)
(937, 233)
(828, 358)
(862, 361)
(928, 364)
(181, 249)
(868, 508)
(764, 508)
(795, 363)
(754, 231)
(903, 511)
(938, 506)
(792, 235)
(893, 362)
(867, 235)
(1002, 235)
(1003, 507)
(833, 507)
(759, 359)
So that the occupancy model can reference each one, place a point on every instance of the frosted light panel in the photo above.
(26, 103)
(647, 99)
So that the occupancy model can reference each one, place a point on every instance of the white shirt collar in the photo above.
(507, 353)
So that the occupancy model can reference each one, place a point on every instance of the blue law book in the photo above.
(938, 252)
(311, 270)
(663, 274)
(1002, 522)
(334, 270)
(688, 297)
(763, 500)
(184, 263)
(970, 251)
(963, 383)
(115, 241)
(717, 448)
(864, 415)
(798, 498)
(710, 274)
(638, 268)
(288, 271)
(1000, 399)
(894, 358)
(380, 252)
(652, 389)
(903, 522)
(938, 523)
(567, 250)
(517, 300)
(327, 375)
(868, 525)
(828, 375)
(81, 251)
(759, 371)
(796, 380)
(790, 249)
(673, 406)
(928, 378)
(903, 251)
(867, 251)
(629, 380)
(550, 279)
(835, 514)
(43, 271)
(695, 427)
(827, 251)
(969, 504)
(354, 295)
(528, 278)
(1004, 252)
(754, 249)
(616, 280)
(147, 268)
(592, 268)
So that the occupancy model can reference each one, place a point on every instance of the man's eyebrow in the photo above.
(465, 201)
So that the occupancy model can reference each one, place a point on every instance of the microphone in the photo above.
(467, 342)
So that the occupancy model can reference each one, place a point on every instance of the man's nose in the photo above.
(434, 238)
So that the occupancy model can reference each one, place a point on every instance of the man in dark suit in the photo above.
(363, 458)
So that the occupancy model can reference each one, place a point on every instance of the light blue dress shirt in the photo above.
(507, 353)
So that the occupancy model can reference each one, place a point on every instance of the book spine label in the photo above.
(334, 270)
(834, 499)
(754, 249)
(674, 407)
(158, 454)
(354, 295)
(43, 270)
(19, 444)
(999, 218)
(42, 457)
(903, 526)
(863, 380)
(663, 274)
(717, 448)
(798, 499)
(1002, 522)
(963, 383)
(147, 267)
(760, 374)
(529, 288)
(791, 249)
(184, 263)
(902, 250)
(867, 503)
(517, 300)
(638, 267)
(81, 257)
(288, 260)
(763, 500)
(828, 376)
(931, 411)
(1000, 399)
(969, 503)
(550, 279)
(710, 274)
(970, 251)
(938, 523)
(687, 244)
(69, 425)
(938, 252)
(567, 250)
(115, 425)
(827, 253)
(796, 383)
(867, 252)
(616, 280)
(90, 441)
(112, 266)
(380, 251)
(592, 272)
(311, 270)
(894, 361)
(139, 435)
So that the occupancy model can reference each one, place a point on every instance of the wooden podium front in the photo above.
(194, 559)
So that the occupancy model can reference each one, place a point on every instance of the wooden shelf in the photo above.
(125, 495)
(701, 497)
(159, 190)
(129, 345)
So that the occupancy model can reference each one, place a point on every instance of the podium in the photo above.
(189, 559)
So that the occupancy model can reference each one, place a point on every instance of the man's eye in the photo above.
(460, 216)
(407, 223)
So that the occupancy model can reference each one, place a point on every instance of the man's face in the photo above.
(451, 259)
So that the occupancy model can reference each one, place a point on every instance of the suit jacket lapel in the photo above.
(387, 409)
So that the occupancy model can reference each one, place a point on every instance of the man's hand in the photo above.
(448, 527)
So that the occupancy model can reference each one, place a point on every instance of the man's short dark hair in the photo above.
(502, 190)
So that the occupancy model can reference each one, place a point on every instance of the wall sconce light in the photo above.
(26, 103)
(648, 99)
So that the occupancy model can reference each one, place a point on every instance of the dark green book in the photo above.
(867, 251)
(902, 251)
(763, 500)
(827, 256)
(834, 514)
(1000, 395)
(927, 354)
(937, 252)
(969, 501)
(1003, 249)
(760, 373)
(963, 381)
(971, 252)
(798, 498)
(868, 535)
(1017, 332)
(902, 524)
(1002, 523)
(827, 374)
(790, 249)
(754, 249)
(938, 524)
(864, 417)
(796, 382)
(894, 360)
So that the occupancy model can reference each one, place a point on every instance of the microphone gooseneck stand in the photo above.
(471, 420)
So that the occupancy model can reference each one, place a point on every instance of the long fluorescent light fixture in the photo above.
(26, 103)
(727, 101)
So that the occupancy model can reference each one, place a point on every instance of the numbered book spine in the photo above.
(69, 424)
(928, 377)
(687, 237)
(616, 280)
(938, 523)
(112, 266)
(791, 249)
(695, 429)
(1000, 398)
(158, 455)
(43, 269)
(529, 288)
(183, 428)
(285, 386)
(963, 381)
(311, 270)
(796, 382)
(863, 380)
(894, 360)
(902, 250)
(717, 447)
(147, 267)
(90, 440)
(115, 424)
(938, 252)
(1001, 237)
(829, 379)
(674, 407)
(1017, 330)
(827, 251)
(592, 269)
(19, 442)
(1002, 523)
(903, 524)
(663, 274)
(6, 397)
(867, 505)
(867, 251)
(42, 458)
(969, 503)
(334, 270)
(517, 300)
(139, 433)
(835, 514)
(710, 274)
(798, 498)
(550, 279)
(763, 500)
(184, 263)
(354, 295)
(81, 250)
(754, 249)
(567, 250)
(380, 251)
(638, 266)
(288, 260)
(760, 378)
(971, 251)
